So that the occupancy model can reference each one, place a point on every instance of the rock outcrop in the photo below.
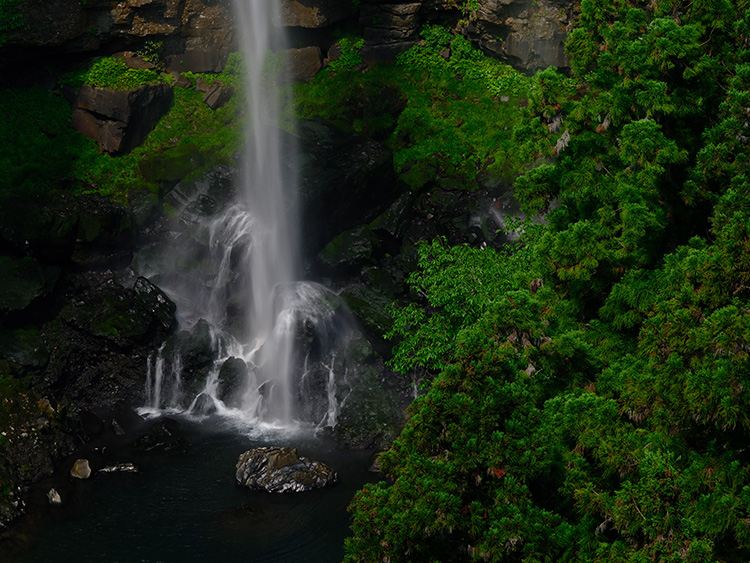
(282, 470)
(388, 28)
(120, 120)
(528, 34)
(197, 34)
(314, 13)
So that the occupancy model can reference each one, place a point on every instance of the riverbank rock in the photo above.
(280, 470)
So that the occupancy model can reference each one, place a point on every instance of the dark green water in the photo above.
(185, 507)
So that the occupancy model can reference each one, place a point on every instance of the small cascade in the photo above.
(163, 383)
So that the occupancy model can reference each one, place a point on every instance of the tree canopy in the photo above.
(589, 393)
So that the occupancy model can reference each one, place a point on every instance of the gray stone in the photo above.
(279, 470)
(54, 497)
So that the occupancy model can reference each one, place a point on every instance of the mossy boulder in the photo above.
(349, 250)
(22, 281)
(369, 307)
(172, 164)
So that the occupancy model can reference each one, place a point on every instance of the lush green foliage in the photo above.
(112, 72)
(598, 413)
(11, 17)
(447, 120)
(349, 57)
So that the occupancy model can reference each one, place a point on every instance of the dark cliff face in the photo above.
(528, 34)
(198, 34)
(197, 30)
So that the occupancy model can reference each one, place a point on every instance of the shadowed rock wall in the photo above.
(199, 34)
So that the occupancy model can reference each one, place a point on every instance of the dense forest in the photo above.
(584, 387)
(588, 392)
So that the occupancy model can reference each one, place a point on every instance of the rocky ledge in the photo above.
(281, 470)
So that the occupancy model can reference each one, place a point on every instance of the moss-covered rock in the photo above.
(349, 250)
(172, 164)
(369, 307)
(22, 280)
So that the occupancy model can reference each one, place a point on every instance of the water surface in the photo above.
(186, 507)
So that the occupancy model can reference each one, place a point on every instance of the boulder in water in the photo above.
(54, 497)
(279, 470)
(232, 374)
(81, 469)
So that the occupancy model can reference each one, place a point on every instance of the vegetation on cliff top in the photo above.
(445, 109)
(52, 155)
(590, 389)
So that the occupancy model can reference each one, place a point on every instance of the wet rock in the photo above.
(204, 405)
(156, 302)
(217, 183)
(105, 232)
(54, 497)
(81, 469)
(348, 251)
(346, 178)
(369, 307)
(120, 120)
(232, 376)
(195, 350)
(279, 470)
(112, 312)
(119, 468)
(392, 222)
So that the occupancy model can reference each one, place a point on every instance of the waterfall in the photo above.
(269, 190)
(230, 269)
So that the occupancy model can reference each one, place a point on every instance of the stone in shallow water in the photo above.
(81, 469)
(279, 470)
(54, 497)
